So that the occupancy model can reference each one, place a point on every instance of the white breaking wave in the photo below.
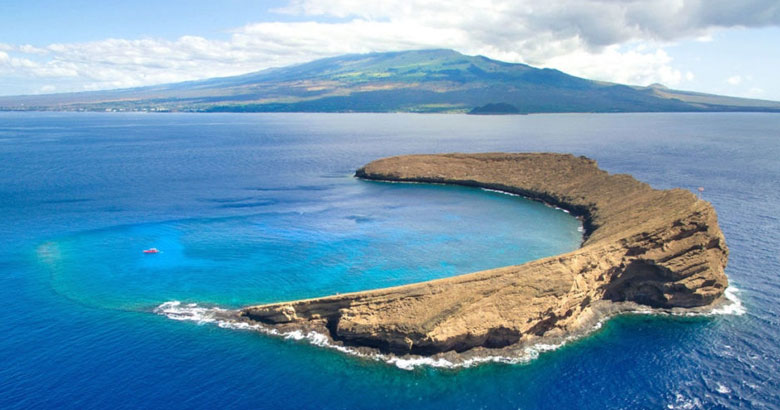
(531, 199)
(177, 310)
(500, 192)
(682, 402)
(734, 307)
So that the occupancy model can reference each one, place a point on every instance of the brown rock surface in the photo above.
(660, 248)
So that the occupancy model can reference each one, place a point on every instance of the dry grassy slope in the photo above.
(661, 248)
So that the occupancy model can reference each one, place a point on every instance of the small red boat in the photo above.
(151, 250)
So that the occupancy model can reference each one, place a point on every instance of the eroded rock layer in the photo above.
(660, 248)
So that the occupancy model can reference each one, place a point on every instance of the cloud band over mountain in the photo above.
(621, 41)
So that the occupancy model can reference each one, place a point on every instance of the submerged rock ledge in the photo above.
(658, 248)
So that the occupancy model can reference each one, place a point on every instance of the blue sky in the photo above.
(715, 46)
(42, 22)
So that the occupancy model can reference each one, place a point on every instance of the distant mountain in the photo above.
(407, 81)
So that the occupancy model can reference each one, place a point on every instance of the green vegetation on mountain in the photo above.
(407, 81)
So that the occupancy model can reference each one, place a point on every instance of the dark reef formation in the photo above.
(642, 246)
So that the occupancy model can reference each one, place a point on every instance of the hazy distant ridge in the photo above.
(407, 81)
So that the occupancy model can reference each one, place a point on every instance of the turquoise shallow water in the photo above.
(351, 235)
(255, 208)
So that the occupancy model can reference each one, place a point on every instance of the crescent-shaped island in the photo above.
(642, 249)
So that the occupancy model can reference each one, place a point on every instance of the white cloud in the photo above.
(756, 92)
(116, 63)
(633, 66)
(597, 22)
(734, 80)
(28, 49)
(619, 41)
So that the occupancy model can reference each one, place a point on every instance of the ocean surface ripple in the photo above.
(252, 208)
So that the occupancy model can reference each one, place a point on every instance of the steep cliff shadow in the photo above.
(641, 282)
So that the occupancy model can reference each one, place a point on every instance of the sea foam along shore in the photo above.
(225, 318)
(177, 310)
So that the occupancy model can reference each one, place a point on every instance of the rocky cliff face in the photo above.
(659, 248)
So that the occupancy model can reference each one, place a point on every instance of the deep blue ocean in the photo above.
(252, 208)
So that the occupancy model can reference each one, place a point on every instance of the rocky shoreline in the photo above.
(643, 249)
